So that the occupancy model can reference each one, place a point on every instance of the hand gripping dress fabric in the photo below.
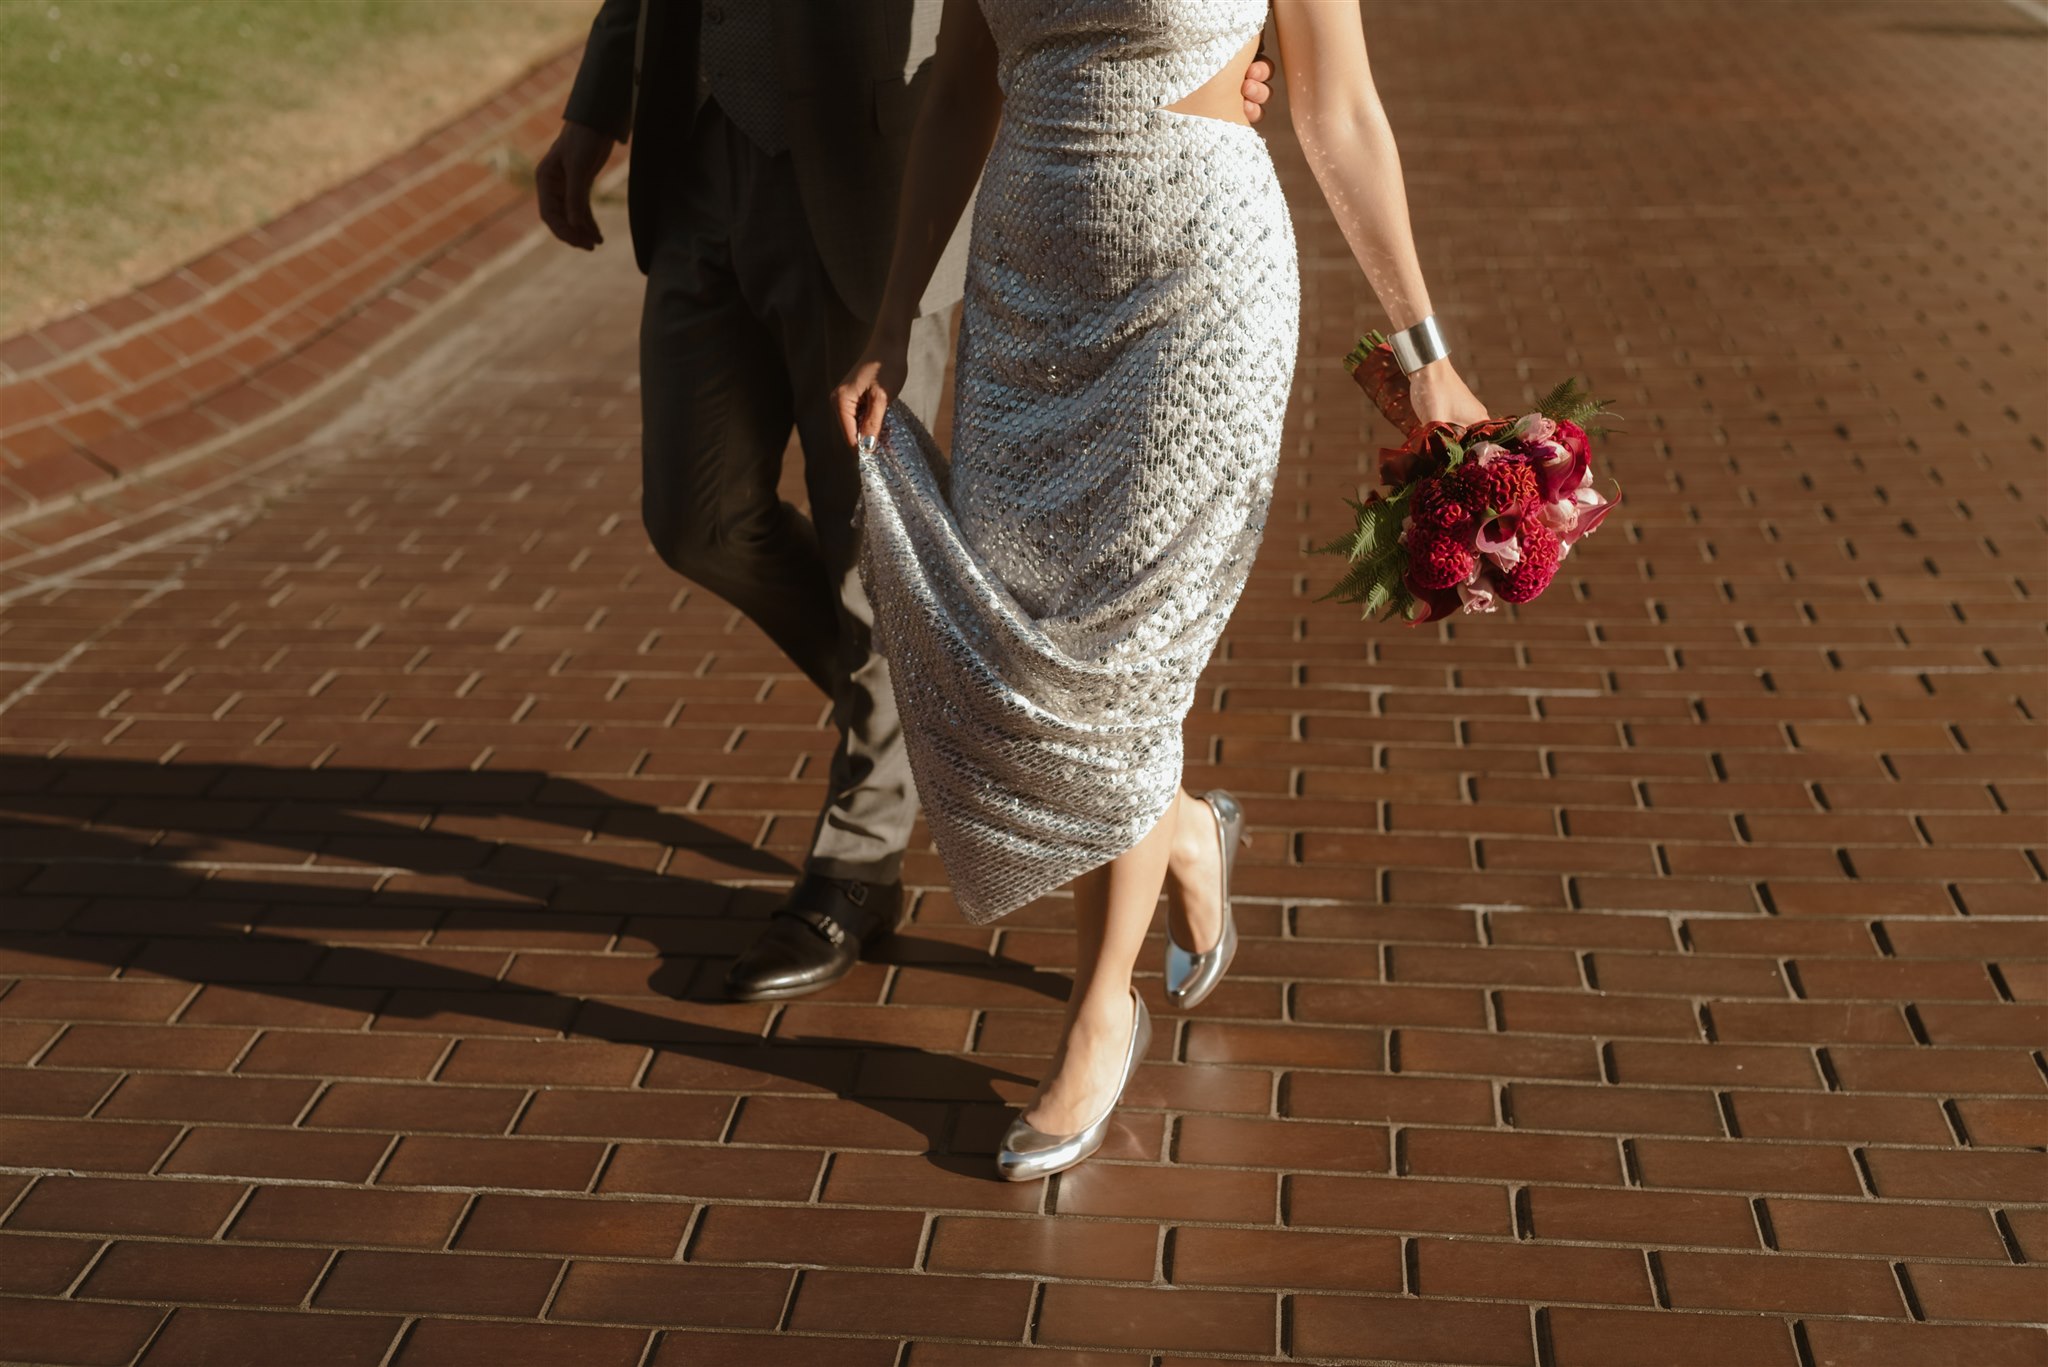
(1126, 348)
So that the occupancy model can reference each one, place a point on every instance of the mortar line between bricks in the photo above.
(28, 687)
(1459, 1180)
(1037, 1280)
(1540, 1336)
(319, 1279)
(84, 1273)
(301, 247)
(154, 1336)
(407, 1325)
(1586, 1084)
(554, 1291)
(1166, 1221)
(311, 446)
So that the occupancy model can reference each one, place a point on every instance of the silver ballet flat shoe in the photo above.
(1190, 976)
(1029, 1153)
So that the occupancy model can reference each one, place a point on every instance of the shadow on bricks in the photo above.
(401, 914)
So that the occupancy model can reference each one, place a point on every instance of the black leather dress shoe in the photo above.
(815, 938)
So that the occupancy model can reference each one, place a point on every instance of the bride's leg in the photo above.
(1194, 874)
(1113, 908)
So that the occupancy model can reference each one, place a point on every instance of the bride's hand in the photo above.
(864, 394)
(1439, 395)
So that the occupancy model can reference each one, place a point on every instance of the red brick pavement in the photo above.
(1651, 976)
(112, 410)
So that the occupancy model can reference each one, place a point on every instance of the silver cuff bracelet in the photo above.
(1416, 345)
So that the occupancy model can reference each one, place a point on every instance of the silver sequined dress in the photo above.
(1126, 348)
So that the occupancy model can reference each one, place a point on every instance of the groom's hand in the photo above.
(563, 180)
(1256, 89)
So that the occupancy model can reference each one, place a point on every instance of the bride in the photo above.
(1048, 597)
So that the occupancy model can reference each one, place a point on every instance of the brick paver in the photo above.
(111, 410)
(1652, 976)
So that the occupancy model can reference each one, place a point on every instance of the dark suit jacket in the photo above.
(852, 73)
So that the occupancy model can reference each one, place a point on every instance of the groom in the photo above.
(769, 141)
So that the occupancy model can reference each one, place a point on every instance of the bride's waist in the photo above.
(1055, 131)
(1162, 158)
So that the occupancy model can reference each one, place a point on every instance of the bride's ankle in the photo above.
(1103, 1012)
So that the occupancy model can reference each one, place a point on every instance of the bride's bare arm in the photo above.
(1350, 147)
(948, 145)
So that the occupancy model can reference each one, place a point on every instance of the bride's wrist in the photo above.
(891, 332)
(1418, 345)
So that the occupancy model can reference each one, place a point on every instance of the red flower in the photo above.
(1436, 561)
(1504, 485)
(1443, 505)
(1562, 462)
(1431, 604)
(1538, 565)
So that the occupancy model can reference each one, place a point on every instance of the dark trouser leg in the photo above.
(861, 832)
(743, 336)
(715, 418)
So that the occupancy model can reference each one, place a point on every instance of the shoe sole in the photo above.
(777, 994)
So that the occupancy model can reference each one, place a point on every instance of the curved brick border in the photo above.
(95, 407)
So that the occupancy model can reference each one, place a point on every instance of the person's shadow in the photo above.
(266, 881)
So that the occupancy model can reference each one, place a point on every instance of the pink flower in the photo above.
(1561, 516)
(1539, 428)
(1477, 596)
(1592, 511)
(1498, 539)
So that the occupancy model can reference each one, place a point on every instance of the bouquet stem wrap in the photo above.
(1373, 367)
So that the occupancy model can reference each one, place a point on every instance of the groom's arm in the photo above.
(599, 113)
(602, 97)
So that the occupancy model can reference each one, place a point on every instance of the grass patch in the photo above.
(134, 133)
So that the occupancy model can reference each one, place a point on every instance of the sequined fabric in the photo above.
(1126, 348)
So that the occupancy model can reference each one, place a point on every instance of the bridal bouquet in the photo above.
(1467, 516)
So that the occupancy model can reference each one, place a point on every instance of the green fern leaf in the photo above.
(1568, 403)
(1385, 587)
(1378, 524)
(1351, 587)
(1553, 405)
